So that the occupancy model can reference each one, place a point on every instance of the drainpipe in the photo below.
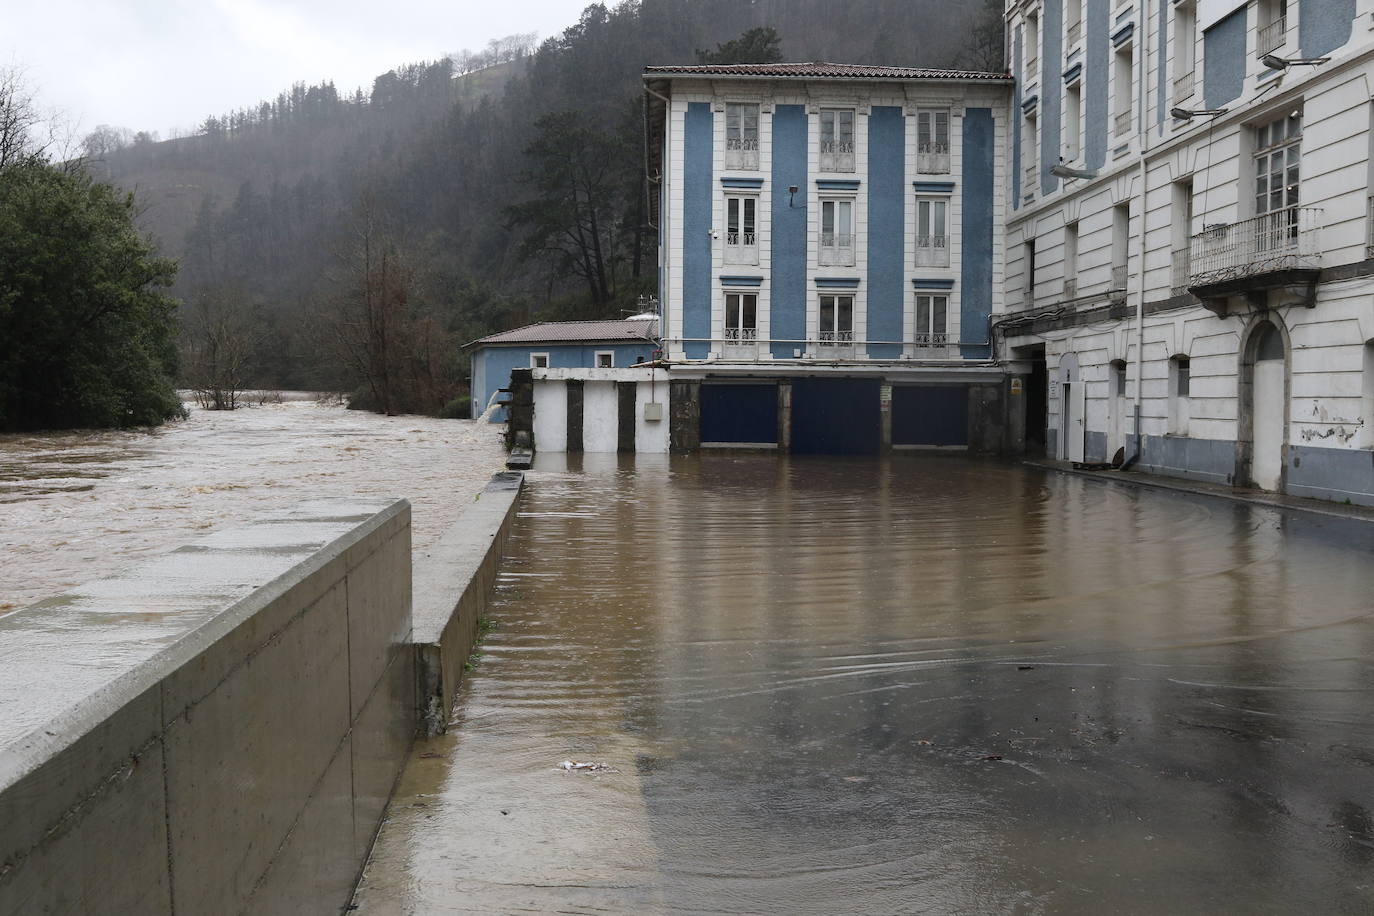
(1144, 134)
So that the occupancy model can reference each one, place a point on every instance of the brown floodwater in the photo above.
(923, 685)
(77, 506)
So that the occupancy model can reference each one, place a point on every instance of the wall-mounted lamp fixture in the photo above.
(1274, 62)
(791, 195)
(1063, 171)
(1187, 114)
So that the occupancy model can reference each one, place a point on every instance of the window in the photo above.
(1180, 387)
(1070, 260)
(1182, 228)
(1273, 26)
(837, 139)
(1118, 368)
(741, 319)
(741, 135)
(539, 360)
(837, 233)
(1029, 144)
(741, 229)
(932, 141)
(1123, 91)
(1032, 46)
(605, 359)
(1029, 254)
(931, 314)
(1278, 153)
(1185, 50)
(1121, 252)
(1073, 117)
(1073, 22)
(837, 321)
(932, 232)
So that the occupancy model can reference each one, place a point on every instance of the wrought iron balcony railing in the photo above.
(932, 251)
(1182, 271)
(1271, 36)
(932, 158)
(837, 156)
(1119, 277)
(1122, 123)
(741, 152)
(1183, 86)
(1284, 240)
(931, 339)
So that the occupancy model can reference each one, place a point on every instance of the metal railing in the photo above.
(741, 152)
(835, 343)
(932, 251)
(1182, 271)
(931, 339)
(1183, 86)
(1283, 240)
(1122, 123)
(837, 156)
(1271, 36)
(932, 158)
(836, 250)
(1075, 31)
(1119, 278)
(741, 239)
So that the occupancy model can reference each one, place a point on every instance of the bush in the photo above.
(460, 408)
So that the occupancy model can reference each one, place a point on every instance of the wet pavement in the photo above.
(918, 685)
(77, 506)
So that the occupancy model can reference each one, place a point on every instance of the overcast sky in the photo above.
(163, 64)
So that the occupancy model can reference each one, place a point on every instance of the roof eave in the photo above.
(756, 77)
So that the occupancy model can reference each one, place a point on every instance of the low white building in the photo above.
(1188, 248)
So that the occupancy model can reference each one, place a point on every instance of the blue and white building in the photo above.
(1188, 239)
(609, 344)
(831, 251)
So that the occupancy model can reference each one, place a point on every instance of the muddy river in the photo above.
(81, 505)
(916, 686)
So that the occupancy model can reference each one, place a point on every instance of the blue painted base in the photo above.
(1332, 473)
(1210, 460)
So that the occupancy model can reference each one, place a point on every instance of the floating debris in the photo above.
(572, 766)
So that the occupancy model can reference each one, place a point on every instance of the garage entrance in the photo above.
(743, 415)
(930, 416)
(839, 416)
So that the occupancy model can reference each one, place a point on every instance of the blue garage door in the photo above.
(836, 416)
(739, 413)
(930, 415)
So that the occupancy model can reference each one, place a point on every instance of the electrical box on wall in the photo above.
(653, 411)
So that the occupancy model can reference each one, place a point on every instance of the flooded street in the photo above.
(77, 506)
(921, 685)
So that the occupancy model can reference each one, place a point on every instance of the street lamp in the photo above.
(1274, 62)
(1187, 114)
(1063, 171)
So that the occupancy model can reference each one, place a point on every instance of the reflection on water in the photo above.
(77, 506)
(923, 685)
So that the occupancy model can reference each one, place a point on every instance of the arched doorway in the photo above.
(1264, 405)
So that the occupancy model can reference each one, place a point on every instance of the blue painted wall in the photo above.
(1324, 25)
(491, 366)
(696, 229)
(975, 283)
(1223, 59)
(787, 304)
(1096, 67)
(886, 199)
(1051, 88)
(1016, 122)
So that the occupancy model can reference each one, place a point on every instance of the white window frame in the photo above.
(928, 331)
(836, 340)
(1073, 122)
(1278, 142)
(741, 244)
(932, 150)
(932, 248)
(740, 337)
(742, 145)
(835, 253)
(610, 357)
(536, 357)
(839, 157)
(1123, 91)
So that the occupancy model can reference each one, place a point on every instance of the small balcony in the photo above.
(932, 251)
(928, 339)
(1119, 279)
(1182, 271)
(1122, 123)
(1279, 250)
(835, 344)
(837, 156)
(837, 250)
(1271, 37)
(933, 159)
(741, 343)
(742, 153)
(1183, 86)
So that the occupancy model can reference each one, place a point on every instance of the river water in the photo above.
(919, 685)
(81, 505)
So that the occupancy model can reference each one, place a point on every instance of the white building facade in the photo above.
(1188, 237)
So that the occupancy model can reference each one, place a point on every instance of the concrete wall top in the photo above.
(601, 375)
(68, 663)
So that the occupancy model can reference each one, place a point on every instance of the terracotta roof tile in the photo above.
(825, 70)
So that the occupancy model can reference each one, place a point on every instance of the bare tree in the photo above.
(218, 343)
(20, 121)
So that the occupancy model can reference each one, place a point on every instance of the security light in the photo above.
(791, 195)
(1274, 62)
(1187, 114)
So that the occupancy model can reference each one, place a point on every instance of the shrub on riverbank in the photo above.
(86, 335)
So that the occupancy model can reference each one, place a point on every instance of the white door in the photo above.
(1075, 402)
(1266, 463)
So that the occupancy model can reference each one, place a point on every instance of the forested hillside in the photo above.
(455, 197)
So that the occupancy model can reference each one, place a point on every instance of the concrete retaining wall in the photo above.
(217, 731)
(453, 580)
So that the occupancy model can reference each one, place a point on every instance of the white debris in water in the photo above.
(572, 766)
